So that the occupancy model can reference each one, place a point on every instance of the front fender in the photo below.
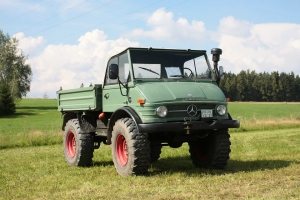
(122, 113)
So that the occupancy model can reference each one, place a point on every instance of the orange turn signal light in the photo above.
(101, 116)
(141, 101)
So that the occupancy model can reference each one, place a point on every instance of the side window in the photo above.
(123, 68)
(107, 79)
(122, 62)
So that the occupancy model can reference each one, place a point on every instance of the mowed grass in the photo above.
(36, 122)
(265, 116)
(263, 165)
(32, 114)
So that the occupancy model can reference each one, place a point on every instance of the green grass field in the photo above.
(265, 116)
(36, 122)
(264, 163)
(32, 115)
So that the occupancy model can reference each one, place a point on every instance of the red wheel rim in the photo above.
(200, 154)
(121, 150)
(71, 144)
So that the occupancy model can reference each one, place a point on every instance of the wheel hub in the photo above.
(71, 144)
(121, 150)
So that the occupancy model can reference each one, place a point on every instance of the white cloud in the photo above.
(29, 45)
(260, 47)
(68, 66)
(238, 28)
(164, 27)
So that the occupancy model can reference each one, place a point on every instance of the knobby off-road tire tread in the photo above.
(218, 150)
(84, 145)
(138, 148)
(155, 152)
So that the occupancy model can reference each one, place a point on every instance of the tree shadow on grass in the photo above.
(37, 107)
(18, 115)
(30, 111)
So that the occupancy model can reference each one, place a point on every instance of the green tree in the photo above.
(230, 86)
(7, 105)
(297, 88)
(285, 86)
(266, 88)
(14, 72)
(242, 86)
(256, 85)
(292, 93)
(275, 86)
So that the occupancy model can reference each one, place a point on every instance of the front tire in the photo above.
(78, 147)
(211, 152)
(130, 149)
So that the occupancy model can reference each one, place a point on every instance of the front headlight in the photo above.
(162, 111)
(221, 110)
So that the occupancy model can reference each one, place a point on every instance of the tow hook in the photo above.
(187, 123)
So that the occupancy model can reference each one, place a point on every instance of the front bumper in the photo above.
(189, 125)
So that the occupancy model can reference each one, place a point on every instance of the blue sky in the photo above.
(67, 42)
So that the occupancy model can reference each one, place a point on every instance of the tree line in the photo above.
(269, 87)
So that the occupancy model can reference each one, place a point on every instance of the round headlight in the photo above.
(221, 110)
(162, 111)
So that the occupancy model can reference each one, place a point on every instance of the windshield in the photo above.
(169, 65)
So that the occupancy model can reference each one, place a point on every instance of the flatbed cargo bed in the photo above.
(80, 99)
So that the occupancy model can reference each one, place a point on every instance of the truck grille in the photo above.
(181, 110)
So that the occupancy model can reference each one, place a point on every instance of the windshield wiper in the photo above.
(149, 70)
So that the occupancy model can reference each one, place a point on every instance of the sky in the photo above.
(68, 41)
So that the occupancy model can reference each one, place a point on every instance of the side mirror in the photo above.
(113, 71)
(221, 72)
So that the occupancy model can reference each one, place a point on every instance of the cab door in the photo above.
(112, 94)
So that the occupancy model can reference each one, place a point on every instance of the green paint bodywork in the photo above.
(174, 93)
(81, 99)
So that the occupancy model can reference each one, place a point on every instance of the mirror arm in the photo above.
(120, 83)
(217, 72)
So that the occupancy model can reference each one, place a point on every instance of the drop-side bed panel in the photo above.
(80, 99)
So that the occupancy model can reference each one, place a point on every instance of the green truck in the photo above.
(150, 98)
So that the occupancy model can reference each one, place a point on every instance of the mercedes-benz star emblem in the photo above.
(191, 110)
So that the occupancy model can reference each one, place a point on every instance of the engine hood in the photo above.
(180, 91)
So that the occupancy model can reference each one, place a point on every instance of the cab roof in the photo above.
(160, 49)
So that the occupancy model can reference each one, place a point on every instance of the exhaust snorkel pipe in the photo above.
(216, 52)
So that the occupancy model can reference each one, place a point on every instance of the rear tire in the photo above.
(211, 152)
(78, 147)
(130, 149)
